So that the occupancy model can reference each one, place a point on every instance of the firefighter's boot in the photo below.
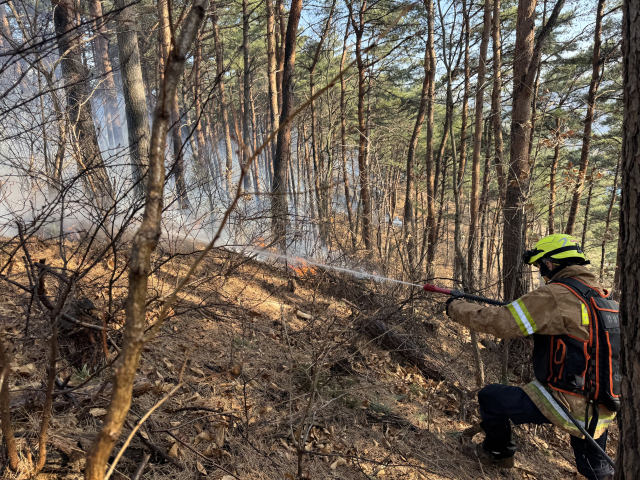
(485, 457)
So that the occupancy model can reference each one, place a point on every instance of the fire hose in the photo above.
(475, 298)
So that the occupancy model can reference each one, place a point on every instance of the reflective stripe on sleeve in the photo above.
(522, 317)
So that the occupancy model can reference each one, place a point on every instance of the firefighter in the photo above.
(559, 321)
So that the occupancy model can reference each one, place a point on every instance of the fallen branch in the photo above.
(430, 367)
(137, 427)
(140, 468)
(152, 446)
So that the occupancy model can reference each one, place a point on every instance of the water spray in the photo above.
(355, 273)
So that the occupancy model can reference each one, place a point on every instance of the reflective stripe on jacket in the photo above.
(548, 310)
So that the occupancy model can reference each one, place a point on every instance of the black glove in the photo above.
(451, 299)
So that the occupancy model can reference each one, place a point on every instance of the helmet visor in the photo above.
(530, 254)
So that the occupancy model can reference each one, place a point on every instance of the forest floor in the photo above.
(263, 354)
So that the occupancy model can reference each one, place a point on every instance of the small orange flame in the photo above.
(260, 242)
(302, 268)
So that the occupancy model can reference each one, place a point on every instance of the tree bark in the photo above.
(628, 460)
(477, 146)
(5, 30)
(283, 148)
(527, 54)
(280, 50)
(322, 189)
(607, 234)
(223, 100)
(112, 117)
(431, 178)
(309, 182)
(410, 231)
(484, 201)
(135, 101)
(588, 121)
(144, 243)
(89, 161)
(465, 97)
(246, 96)
(358, 28)
(271, 68)
(585, 225)
(496, 107)
(164, 37)
(552, 180)
(343, 141)
(201, 154)
(254, 145)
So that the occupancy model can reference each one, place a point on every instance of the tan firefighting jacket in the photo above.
(549, 310)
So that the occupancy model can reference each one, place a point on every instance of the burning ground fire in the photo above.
(301, 267)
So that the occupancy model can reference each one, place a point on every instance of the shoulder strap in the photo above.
(580, 287)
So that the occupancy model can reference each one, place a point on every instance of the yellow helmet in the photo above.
(556, 247)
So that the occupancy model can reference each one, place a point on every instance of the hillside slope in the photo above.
(279, 378)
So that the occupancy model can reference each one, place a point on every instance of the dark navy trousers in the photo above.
(501, 405)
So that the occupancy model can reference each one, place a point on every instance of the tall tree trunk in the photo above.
(256, 163)
(496, 107)
(315, 155)
(484, 199)
(552, 180)
(318, 157)
(461, 271)
(431, 178)
(5, 30)
(607, 234)
(89, 161)
(477, 146)
(164, 37)
(527, 55)
(246, 97)
(465, 98)
(283, 149)
(271, 68)
(628, 461)
(223, 100)
(410, 230)
(358, 28)
(202, 153)
(460, 274)
(112, 118)
(309, 182)
(585, 225)
(135, 101)
(268, 161)
(343, 140)
(534, 102)
(280, 50)
(588, 121)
